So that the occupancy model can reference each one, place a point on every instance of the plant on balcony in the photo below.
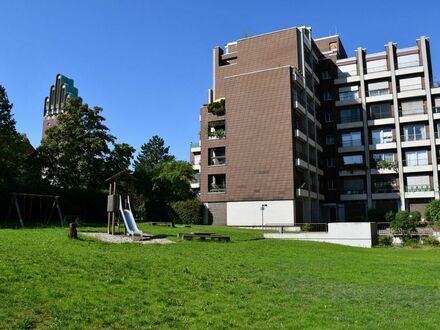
(217, 107)
(386, 165)
(354, 167)
(217, 134)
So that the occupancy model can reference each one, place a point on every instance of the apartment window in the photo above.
(412, 108)
(348, 95)
(414, 133)
(436, 105)
(197, 159)
(378, 88)
(416, 158)
(409, 84)
(328, 117)
(331, 184)
(349, 115)
(354, 186)
(331, 162)
(380, 110)
(437, 133)
(329, 139)
(216, 156)
(347, 70)
(383, 135)
(352, 159)
(407, 61)
(418, 183)
(326, 75)
(216, 130)
(217, 183)
(385, 185)
(327, 95)
(388, 156)
(377, 66)
(351, 139)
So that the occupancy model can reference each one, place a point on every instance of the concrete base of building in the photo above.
(358, 234)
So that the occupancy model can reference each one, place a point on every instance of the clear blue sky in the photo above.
(149, 63)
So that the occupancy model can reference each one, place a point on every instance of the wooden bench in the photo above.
(161, 223)
(203, 236)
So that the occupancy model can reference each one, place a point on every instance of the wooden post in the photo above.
(73, 234)
(109, 213)
(18, 211)
(113, 213)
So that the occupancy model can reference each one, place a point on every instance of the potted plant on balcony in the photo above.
(217, 107)
(388, 165)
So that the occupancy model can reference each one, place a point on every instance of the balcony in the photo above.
(384, 166)
(419, 191)
(353, 195)
(217, 134)
(217, 160)
(408, 91)
(421, 114)
(411, 64)
(379, 92)
(195, 147)
(350, 121)
(377, 69)
(388, 142)
(217, 107)
(416, 165)
(351, 146)
(415, 140)
(217, 183)
(353, 169)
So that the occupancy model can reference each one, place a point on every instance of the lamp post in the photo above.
(263, 206)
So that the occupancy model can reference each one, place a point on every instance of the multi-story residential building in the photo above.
(293, 123)
(53, 104)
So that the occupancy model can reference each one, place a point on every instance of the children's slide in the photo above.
(129, 221)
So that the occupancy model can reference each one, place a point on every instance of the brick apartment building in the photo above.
(292, 122)
(53, 104)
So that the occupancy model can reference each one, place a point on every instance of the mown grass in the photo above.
(49, 281)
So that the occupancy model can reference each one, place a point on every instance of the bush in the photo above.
(411, 242)
(432, 211)
(188, 212)
(386, 240)
(405, 224)
(376, 215)
(306, 227)
(416, 216)
(431, 240)
(390, 216)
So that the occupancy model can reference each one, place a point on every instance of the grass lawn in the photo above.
(49, 281)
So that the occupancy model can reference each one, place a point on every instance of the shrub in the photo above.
(416, 216)
(306, 227)
(432, 211)
(411, 242)
(386, 240)
(188, 212)
(405, 224)
(431, 240)
(376, 215)
(390, 216)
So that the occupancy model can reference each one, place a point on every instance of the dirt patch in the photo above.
(125, 239)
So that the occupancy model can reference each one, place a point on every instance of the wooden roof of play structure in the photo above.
(121, 176)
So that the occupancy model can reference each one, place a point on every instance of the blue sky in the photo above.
(149, 63)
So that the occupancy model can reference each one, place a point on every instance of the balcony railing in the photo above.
(301, 155)
(381, 115)
(386, 188)
(218, 160)
(416, 162)
(412, 112)
(419, 188)
(351, 143)
(300, 99)
(406, 88)
(348, 191)
(347, 96)
(346, 74)
(195, 144)
(382, 140)
(379, 92)
(436, 109)
(414, 137)
(408, 64)
(217, 134)
(351, 118)
(377, 69)
(217, 187)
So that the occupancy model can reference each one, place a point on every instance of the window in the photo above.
(384, 135)
(407, 61)
(388, 156)
(216, 156)
(197, 159)
(331, 162)
(380, 110)
(217, 183)
(352, 139)
(412, 108)
(354, 186)
(352, 159)
(331, 184)
(416, 158)
(414, 133)
(377, 65)
(347, 70)
(326, 75)
(418, 183)
(409, 84)
(328, 117)
(378, 88)
(329, 139)
(216, 130)
(349, 95)
(349, 115)
(385, 185)
(327, 96)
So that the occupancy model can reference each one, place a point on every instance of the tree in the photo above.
(405, 223)
(432, 211)
(75, 151)
(14, 147)
(152, 154)
(119, 159)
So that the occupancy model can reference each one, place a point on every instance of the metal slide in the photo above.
(129, 221)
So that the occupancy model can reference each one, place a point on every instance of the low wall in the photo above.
(359, 234)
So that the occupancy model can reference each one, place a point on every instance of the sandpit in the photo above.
(124, 239)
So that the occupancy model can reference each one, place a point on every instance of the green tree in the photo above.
(75, 151)
(432, 211)
(405, 223)
(152, 154)
(119, 158)
(15, 148)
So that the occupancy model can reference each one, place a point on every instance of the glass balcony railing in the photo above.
(413, 137)
(354, 191)
(418, 188)
(347, 96)
(381, 140)
(412, 112)
(416, 162)
(345, 74)
(379, 92)
(350, 118)
(406, 88)
(351, 143)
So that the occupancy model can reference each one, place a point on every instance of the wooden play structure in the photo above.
(26, 205)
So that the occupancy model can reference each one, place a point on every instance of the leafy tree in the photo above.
(14, 147)
(119, 159)
(75, 151)
(432, 211)
(405, 223)
(152, 154)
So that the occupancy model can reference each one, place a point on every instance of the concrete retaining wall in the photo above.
(360, 234)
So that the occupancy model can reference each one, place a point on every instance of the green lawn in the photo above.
(49, 281)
